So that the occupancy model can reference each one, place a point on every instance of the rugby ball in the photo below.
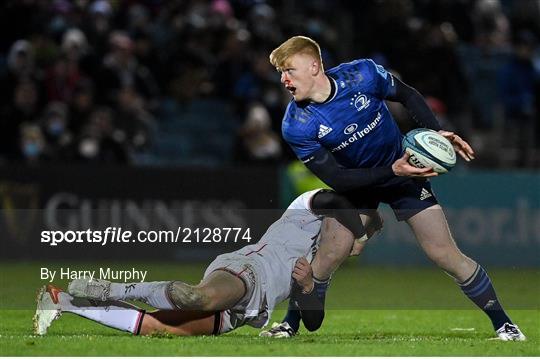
(427, 148)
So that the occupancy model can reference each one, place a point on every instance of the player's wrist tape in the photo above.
(362, 239)
(310, 290)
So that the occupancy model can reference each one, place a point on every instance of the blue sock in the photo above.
(293, 313)
(480, 290)
(321, 286)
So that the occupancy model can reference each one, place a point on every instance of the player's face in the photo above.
(298, 75)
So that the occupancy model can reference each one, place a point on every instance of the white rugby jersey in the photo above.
(292, 236)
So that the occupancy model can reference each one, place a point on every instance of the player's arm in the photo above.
(423, 116)
(323, 164)
(304, 294)
(415, 104)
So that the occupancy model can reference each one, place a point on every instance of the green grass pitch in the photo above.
(371, 312)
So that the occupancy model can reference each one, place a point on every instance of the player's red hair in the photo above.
(295, 45)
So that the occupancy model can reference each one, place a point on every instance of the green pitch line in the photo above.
(374, 311)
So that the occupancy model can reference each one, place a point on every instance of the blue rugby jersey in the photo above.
(354, 125)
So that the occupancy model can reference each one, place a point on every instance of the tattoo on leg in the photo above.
(185, 296)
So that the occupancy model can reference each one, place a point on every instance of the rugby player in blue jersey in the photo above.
(338, 124)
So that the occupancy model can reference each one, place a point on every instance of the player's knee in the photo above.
(445, 257)
(438, 255)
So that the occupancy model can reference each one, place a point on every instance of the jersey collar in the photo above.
(333, 90)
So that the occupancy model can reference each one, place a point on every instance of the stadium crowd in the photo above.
(177, 82)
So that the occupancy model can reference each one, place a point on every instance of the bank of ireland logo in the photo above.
(350, 129)
(360, 101)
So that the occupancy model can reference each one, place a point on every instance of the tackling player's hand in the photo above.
(460, 146)
(303, 275)
(358, 247)
(403, 168)
(373, 225)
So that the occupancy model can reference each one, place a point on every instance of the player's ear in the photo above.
(315, 67)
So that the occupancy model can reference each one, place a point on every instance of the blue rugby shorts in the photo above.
(406, 197)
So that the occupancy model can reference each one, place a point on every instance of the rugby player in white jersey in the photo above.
(238, 288)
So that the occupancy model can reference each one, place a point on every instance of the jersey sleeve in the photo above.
(382, 81)
(300, 132)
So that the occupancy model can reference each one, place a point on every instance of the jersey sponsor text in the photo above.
(358, 134)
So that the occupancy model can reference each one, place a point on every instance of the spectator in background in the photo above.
(98, 25)
(492, 27)
(121, 69)
(65, 73)
(25, 105)
(61, 79)
(99, 50)
(263, 23)
(256, 142)
(141, 29)
(32, 145)
(81, 105)
(258, 83)
(23, 108)
(55, 128)
(20, 67)
(518, 80)
(482, 60)
(99, 142)
(78, 53)
(21, 60)
(132, 120)
(232, 75)
(139, 20)
(74, 44)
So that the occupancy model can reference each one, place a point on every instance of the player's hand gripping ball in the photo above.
(427, 148)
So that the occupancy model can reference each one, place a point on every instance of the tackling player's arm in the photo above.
(305, 296)
(331, 204)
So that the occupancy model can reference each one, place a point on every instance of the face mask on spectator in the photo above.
(89, 147)
(55, 128)
(31, 150)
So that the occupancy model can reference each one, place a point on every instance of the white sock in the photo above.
(114, 314)
(151, 293)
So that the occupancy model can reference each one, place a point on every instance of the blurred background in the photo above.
(134, 113)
